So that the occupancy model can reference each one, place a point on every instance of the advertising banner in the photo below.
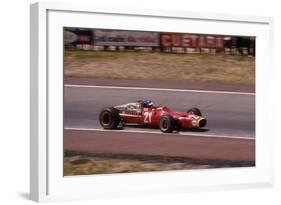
(191, 40)
(126, 38)
(77, 36)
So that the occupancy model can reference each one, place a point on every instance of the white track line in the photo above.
(158, 89)
(151, 132)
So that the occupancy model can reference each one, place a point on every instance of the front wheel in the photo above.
(167, 124)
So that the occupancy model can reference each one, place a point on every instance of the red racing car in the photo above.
(144, 113)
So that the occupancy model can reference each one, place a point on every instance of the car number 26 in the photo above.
(147, 117)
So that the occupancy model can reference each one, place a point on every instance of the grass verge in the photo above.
(219, 68)
(88, 164)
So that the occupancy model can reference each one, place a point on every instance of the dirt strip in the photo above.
(160, 84)
(169, 145)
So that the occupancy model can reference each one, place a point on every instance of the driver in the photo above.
(147, 103)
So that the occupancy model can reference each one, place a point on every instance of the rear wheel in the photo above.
(194, 111)
(167, 124)
(109, 118)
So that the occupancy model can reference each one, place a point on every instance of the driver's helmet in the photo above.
(147, 103)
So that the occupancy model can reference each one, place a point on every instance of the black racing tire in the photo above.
(167, 124)
(194, 111)
(109, 118)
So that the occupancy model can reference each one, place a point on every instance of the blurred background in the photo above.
(100, 39)
(164, 56)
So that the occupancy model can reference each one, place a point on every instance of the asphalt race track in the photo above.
(229, 134)
(228, 114)
(190, 147)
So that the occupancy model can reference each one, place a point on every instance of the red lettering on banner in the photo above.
(194, 41)
(186, 40)
(191, 41)
(176, 40)
(219, 42)
(166, 40)
(210, 42)
(201, 43)
(131, 39)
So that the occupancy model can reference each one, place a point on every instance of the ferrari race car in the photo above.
(143, 112)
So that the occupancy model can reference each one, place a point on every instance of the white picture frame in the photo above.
(46, 151)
